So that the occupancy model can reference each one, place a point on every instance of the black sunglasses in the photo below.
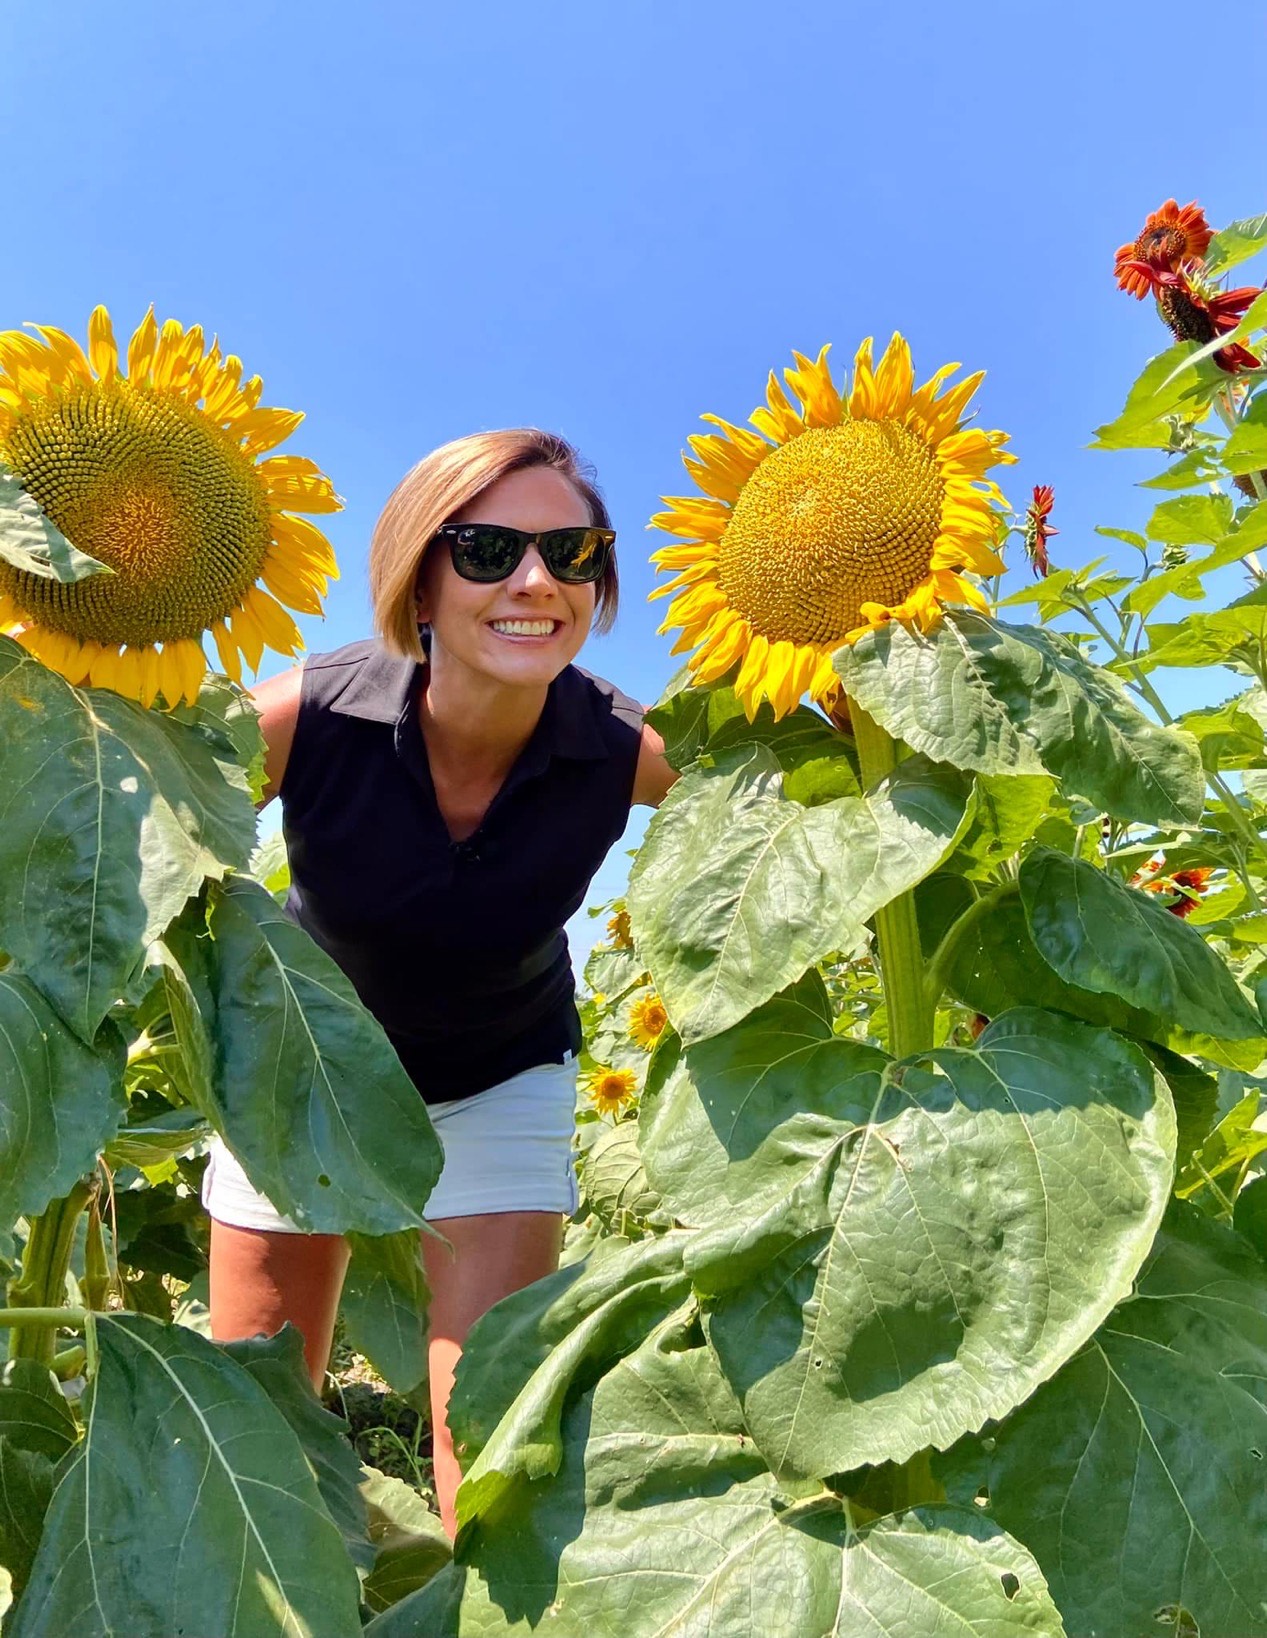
(492, 551)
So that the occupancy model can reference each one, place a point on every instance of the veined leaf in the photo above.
(1136, 1475)
(737, 890)
(31, 542)
(1235, 243)
(60, 1101)
(1191, 520)
(1099, 935)
(1230, 735)
(34, 1414)
(1164, 388)
(543, 1346)
(1229, 1147)
(1246, 448)
(913, 1258)
(1003, 699)
(277, 1364)
(26, 1488)
(384, 1306)
(190, 1506)
(662, 1520)
(615, 1184)
(112, 817)
(694, 720)
(410, 1545)
(305, 1087)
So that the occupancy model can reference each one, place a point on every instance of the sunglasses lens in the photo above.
(575, 555)
(485, 552)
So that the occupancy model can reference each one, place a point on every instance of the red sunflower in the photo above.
(1172, 237)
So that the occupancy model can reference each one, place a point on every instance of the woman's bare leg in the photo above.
(490, 1257)
(260, 1279)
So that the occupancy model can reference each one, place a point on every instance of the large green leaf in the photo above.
(925, 1257)
(1100, 935)
(733, 1120)
(1136, 1475)
(1213, 638)
(694, 720)
(997, 698)
(410, 1545)
(1163, 389)
(384, 1306)
(614, 1182)
(307, 1090)
(190, 1507)
(661, 1520)
(60, 1101)
(1000, 966)
(737, 890)
(537, 1349)
(34, 1413)
(26, 1488)
(1236, 243)
(31, 542)
(1230, 735)
(111, 817)
(277, 1364)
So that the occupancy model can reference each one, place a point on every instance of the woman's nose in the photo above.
(532, 574)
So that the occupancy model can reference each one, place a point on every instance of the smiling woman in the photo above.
(449, 789)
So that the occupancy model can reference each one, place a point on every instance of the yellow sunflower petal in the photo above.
(247, 635)
(103, 353)
(780, 420)
(223, 391)
(263, 429)
(693, 517)
(68, 353)
(298, 484)
(812, 383)
(227, 649)
(278, 629)
(288, 587)
(895, 377)
(193, 669)
(300, 539)
(141, 349)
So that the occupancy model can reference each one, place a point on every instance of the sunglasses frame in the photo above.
(451, 533)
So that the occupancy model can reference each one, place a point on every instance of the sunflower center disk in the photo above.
(838, 517)
(146, 485)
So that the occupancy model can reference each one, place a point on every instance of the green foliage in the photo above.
(221, 1513)
(737, 890)
(1002, 699)
(31, 542)
(962, 1337)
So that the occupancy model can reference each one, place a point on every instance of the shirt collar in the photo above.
(383, 688)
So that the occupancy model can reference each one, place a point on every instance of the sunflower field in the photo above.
(919, 1288)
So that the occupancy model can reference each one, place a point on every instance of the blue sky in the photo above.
(415, 221)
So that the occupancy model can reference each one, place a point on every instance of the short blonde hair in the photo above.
(435, 491)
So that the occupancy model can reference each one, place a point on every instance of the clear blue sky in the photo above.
(417, 220)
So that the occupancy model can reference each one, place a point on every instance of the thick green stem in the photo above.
(45, 1264)
(897, 929)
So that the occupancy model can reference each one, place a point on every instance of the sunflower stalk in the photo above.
(45, 1265)
(906, 999)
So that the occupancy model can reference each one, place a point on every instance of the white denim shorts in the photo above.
(506, 1149)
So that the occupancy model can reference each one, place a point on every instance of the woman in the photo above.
(448, 792)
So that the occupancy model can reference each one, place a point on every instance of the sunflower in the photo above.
(609, 1090)
(830, 519)
(155, 471)
(647, 1021)
(619, 931)
(1037, 531)
(1172, 237)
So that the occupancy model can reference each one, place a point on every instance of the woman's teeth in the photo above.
(523, 628)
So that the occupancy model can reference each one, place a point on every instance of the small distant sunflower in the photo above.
(609, 1090)
(647, 1021)
(155, 471)
(831, 519)
(1037, 530)
(619, 931)
(1172, 237)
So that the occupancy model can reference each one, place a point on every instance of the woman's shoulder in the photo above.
(605, 700)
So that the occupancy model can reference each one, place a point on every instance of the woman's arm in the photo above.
(654, 773)
(277, 702)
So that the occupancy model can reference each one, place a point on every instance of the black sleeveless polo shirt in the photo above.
(457, 948)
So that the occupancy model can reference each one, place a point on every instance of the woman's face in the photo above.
(525, 629)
